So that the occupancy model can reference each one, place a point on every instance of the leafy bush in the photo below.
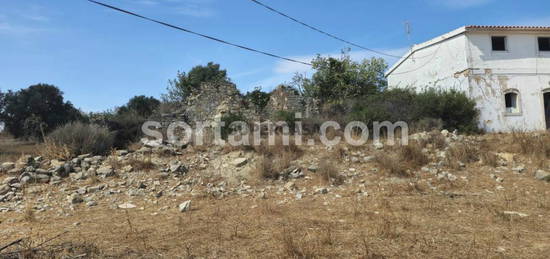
(227, 119)
(126, 128)
(454, 108)
(430, 109)
(258, 98)
(82, 138)
(285, 116)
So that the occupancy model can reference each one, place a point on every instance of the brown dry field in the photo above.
(399, 218)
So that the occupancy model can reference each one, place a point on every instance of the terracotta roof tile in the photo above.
(501, 27)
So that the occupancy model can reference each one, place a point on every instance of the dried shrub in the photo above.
(142, 164)
(392, 164)
(462, 152)
(535, 145)
(265, 170)
(329, 173)
(435, 139)
(402, 160)
(81, 138)
(413, 155)
(52, 150)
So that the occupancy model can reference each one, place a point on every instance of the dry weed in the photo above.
(329, 173)
(52, 150)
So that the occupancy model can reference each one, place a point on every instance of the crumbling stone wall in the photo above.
(285, 98)
(212, 100)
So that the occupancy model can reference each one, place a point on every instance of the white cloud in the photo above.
(193, 8)
(461, 3)
(17, 30)
(283, 71)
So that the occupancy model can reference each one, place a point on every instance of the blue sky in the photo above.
(100, 58)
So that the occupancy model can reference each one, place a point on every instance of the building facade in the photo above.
(505, 69)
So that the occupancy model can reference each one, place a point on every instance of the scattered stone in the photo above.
(7, 166)
(239, 162)
(519, 169)
(4, 189)
(176, 167)
(121, 152)
(75, 198)
(313, 168)
(91, 203)
(542, 175)
(515, 213)
(106, 171)
(185, 206)
(378, 145)
(294, 173)
(322, 190)
(290, 186)
(126, 206)
(368, 159)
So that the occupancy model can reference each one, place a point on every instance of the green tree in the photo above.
(185, 83)
(339, 79)
(28, 112)
(141, 106)
(258, 98)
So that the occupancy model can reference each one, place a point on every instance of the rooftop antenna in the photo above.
(408, 31)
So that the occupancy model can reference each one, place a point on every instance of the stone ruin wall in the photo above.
(213, 100)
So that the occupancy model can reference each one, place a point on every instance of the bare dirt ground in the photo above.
(481, 211)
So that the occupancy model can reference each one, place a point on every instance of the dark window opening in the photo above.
(499, 43)
(544, 44)
(511, 100)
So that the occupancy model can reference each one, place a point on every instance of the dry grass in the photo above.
(51, 150)
(264, 169)
(11, 149)
(413, 155)
(435, 139)
(462, 152)
(402, 160)
(392, 164)
(329, 173)
(536, 145)
(275, 158)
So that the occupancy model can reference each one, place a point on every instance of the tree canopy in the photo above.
(140, 105)
(339, 79)
(28, 112)
(185, 83)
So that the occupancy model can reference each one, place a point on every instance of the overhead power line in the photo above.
(323, 32)
(198, 34)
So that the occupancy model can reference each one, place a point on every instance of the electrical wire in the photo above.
(198, 34)
(323, 32)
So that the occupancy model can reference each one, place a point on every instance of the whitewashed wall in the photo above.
(467, 63)
(520, 68)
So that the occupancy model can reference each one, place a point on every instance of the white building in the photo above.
(506, 69)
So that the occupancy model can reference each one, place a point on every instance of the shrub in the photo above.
(126, 128)
(81, 138)
(454, 108)
(413, 154)
(431, 109)
(329, 173)
(265, 169)
(392, 164)
(228, 119)
(285, 116)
